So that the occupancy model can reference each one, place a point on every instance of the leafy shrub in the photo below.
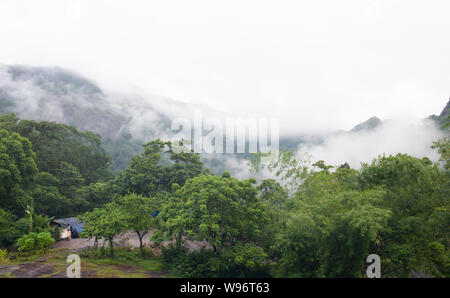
(245, 260)
(3, 255)
(33, 242)
(8, 234)
(238, 261)
(41, 224)
(181, 263)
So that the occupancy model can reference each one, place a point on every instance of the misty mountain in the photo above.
(55, 94)
(370, 124)
(124, 121)
(443, 116)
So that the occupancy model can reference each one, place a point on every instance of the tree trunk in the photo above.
(111, 247)
(140, 245)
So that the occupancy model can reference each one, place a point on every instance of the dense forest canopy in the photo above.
(313, 220)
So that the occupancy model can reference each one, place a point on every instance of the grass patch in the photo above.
(126, 263)
(56, 254)
(128, 257)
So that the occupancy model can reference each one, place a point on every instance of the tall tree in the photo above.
(104, 223)
(17, 170)
(417, 195)
(55, 143)
(157, 168)
(330, 228)
(219, 210)
(137, 213)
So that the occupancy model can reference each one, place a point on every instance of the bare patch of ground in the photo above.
(128, 239)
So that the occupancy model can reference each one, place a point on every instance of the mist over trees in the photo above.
(126, 121)
(313, 220)
(297, 217)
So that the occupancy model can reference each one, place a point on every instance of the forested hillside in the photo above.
(124, 122)
(54, 94)
(314, 220)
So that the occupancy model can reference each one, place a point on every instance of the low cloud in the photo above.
(391, 137)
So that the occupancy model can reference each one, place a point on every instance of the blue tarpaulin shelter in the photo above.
(75, 226)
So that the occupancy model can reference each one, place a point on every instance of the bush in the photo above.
(40, 224)
(3, 256)
(8, 234)
(181, 263)
(238, 261)
(244, 260)
(34, 242)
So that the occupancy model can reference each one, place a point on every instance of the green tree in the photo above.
(17, 170)
(144, 175)
(274, 199)
(137, 213)
(39, 223)
(54, 143)
(290, 169)
(330, 232)
(185, 165)
(156, 169)
(7, 231)
(104, 223)
(219, 210)
(100, 193)
(417, 195)
(71, 185)
(443, 146)
(47, 197)
(322, 166)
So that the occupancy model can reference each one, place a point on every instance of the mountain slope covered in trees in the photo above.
(312, 220)
(124, 122)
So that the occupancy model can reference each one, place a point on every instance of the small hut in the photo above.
(70, 227)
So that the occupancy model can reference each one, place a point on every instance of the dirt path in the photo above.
(128, 239)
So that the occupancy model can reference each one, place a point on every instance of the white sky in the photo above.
(313, 64)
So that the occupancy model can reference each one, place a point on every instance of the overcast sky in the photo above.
(313, 64)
